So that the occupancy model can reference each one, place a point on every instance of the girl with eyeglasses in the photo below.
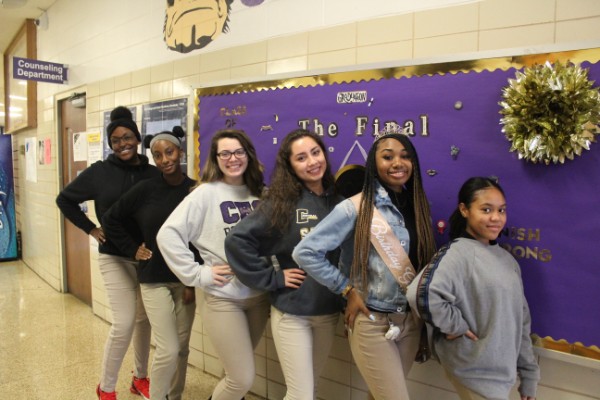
(233, 315)
(105, 182)
(170, 305)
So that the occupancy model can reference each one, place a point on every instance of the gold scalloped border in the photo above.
(442, 68)
(563, 346)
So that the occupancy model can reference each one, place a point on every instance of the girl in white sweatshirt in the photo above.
(233, 315)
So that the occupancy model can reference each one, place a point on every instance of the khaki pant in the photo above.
(235, 327)
(384, 364)
(464, 392)
(129, 319)
(171, 322)
(303, 344)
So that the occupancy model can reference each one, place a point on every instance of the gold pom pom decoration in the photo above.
(550, 112)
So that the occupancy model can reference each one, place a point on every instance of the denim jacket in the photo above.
(337, 230)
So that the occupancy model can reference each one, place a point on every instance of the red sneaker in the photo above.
(141, 386)
(105, 395)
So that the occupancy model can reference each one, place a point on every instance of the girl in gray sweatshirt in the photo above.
(471, 294)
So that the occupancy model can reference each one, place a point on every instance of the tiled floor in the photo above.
(51, 344)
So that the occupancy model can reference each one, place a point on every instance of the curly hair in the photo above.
(286, 188)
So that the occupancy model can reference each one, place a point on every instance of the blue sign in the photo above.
(41, 71)
(8, 226)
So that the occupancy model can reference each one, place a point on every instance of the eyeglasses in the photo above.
(226, 154)
(126, 139)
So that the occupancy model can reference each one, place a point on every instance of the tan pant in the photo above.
(303, 344)
(129, 319)
(384, 364)
(464, 392)
(235, 327)
(171, 322)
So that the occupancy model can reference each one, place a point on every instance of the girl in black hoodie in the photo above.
(104, 182)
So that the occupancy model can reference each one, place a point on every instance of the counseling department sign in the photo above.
(41, 71)
(453, 119)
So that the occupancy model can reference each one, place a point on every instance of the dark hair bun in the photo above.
(178, 131)
(147, 140)
(121, 112)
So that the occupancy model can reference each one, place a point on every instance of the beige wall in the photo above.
(504, 26)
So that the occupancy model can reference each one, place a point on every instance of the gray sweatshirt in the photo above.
(471, 285)
(204, 218)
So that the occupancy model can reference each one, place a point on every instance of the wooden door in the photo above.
(76, 242)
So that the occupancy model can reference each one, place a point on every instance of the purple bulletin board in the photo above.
(553, 219)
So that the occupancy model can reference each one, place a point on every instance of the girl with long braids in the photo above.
(384, 337)
(471, 294)
(233, 315)
(304, 313)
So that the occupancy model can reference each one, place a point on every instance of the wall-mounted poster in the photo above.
(452, 114)
(31, 160)
(163, 116)
(80, 146)
(8, 228)
(94, 147)
(47, 151)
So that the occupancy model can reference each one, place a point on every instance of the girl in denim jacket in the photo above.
(383, 334)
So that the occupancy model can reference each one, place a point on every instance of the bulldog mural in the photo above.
(193, 24)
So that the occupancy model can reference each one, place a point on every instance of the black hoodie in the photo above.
(103, 182)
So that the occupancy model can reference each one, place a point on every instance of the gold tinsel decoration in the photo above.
(550, 112)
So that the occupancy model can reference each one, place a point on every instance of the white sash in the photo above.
(388, 246)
